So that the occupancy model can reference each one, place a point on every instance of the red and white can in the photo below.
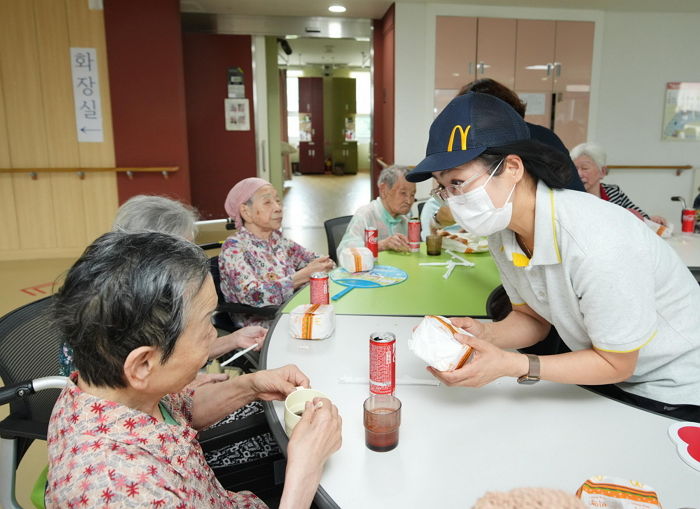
(382, 363)
(414, 235)
(688, 221)
(319, 288)
(372, 241)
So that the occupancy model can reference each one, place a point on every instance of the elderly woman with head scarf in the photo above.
(259, 266)
(136, 310)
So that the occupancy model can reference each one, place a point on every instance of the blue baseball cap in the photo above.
(469, 125)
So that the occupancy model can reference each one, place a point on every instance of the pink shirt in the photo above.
(104, 454)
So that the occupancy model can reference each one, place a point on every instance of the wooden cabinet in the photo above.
(455, 51)
(345, 156)
(495, 50)
(311, 125)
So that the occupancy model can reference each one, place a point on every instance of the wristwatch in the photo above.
(533, 371)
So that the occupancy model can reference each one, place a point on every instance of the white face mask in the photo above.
(475, 212)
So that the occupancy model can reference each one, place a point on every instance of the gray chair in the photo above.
(335, 229)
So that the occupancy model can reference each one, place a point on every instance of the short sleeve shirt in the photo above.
(605, 280)
(104, 454)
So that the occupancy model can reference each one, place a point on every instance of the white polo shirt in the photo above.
(604, 279)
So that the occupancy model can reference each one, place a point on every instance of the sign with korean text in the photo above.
(86, 95)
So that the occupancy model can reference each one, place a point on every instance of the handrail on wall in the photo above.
(34, 172)
(677, 167)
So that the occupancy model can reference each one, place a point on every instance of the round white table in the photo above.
(688, 248)
(455, 443)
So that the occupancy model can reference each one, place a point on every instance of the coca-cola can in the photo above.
(372, 240)
(319, 288)
(688, 221)
(382, 363)
(414, 235)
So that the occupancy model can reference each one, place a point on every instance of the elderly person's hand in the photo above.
(444, 216)
(251, 335)
(659, 220)
(277, 384)
(314, 439)
(321, 264)
(488, 363)
(397, 242)
(206, 378)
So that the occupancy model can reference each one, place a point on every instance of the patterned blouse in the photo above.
(613, 194)
(104, 454)
(259, 272)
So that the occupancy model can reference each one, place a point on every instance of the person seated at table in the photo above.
(144, 213)
(258, 265)
(619, 296)
(435, 216)
(590, 159)
(387, 213)
(136, 310)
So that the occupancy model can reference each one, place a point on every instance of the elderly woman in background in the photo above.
(136, 309)
(387, 213)
(590, 159)
(259, 266)
(143, 213)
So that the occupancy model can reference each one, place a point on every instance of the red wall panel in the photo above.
(144, 48)
(218, 158)
(383, 118)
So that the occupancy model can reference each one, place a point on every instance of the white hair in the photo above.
(592, 150)
(143, 213)
(391, 174)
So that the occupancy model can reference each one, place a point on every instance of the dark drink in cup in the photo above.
(382, 418)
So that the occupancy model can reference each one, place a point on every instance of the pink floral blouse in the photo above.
(259, 272)
(104, 454)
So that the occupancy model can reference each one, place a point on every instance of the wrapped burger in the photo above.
(356, 259)
(312, 321)
(433, 341)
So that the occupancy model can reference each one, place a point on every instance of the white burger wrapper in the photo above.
(662, 231)
(356, 259)
(433, 341)
(312, 321)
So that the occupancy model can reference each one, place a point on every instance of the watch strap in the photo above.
(533, 371)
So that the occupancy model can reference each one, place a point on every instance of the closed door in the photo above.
(455, 51)
(573, 56)
(534, 60)
(495, 50)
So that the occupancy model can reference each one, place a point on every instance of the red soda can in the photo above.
(414, 235)
(319, 288)
(372, 240)
(688, 221)
(382, 363)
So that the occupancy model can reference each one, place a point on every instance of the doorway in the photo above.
(326, 109)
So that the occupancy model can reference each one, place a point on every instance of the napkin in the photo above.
(433, 341)
(312, 321)
(356, 259)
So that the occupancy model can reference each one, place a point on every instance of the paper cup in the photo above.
(294, 406)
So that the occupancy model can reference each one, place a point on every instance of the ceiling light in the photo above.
(337, 8)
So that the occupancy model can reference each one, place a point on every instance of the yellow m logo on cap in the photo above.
(463, 132)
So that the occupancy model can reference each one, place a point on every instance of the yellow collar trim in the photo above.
(554, 226)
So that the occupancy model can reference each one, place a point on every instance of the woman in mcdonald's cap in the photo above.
(619, 297)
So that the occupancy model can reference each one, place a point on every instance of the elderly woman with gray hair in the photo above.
(258, 265)
(145, 213)
(590, 161)
(136, 309)
(387, 213)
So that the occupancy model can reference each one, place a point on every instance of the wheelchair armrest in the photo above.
(11, 428)
(245, 309)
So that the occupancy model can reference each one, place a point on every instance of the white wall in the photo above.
(634, 56)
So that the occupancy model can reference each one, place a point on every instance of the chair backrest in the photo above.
(335, 229)
(29, 347)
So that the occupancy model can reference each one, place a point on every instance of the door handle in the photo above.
(557, 69)
(549, 70)
(470, 68)
(482, 67)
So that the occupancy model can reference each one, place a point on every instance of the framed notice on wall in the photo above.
(682, 111)
(237, 114)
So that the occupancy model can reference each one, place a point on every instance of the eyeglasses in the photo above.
(442, 193)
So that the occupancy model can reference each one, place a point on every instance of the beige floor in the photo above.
(308, 201)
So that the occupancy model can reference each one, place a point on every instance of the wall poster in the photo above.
(682, 112)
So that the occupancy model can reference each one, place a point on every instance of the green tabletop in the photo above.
(425, 292)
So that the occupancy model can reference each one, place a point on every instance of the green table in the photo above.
(425, 292)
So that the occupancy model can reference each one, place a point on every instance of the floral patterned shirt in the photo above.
(104, 454)
(259, 272)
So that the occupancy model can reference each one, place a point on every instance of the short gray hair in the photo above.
(144, 213)
(592, 150)
(127, 290)
(391, 174)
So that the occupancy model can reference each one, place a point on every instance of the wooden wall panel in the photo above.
(34, 205)
(9, 238)
(100, 197)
